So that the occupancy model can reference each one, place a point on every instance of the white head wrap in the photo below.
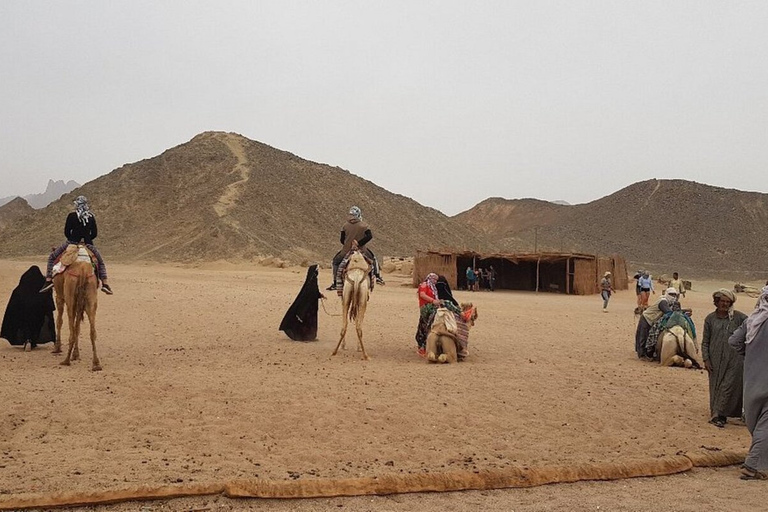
(758, 316)
(671, 295)
(356, 213)
(83, 210)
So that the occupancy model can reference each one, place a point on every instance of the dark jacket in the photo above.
(74, 229)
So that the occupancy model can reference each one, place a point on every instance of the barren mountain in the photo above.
(53, 191)
(665, 223)
(14, 212)
(223, 196)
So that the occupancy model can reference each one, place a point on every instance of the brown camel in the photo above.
(357, 287)
(77, 289)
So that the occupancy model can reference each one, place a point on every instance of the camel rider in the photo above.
(354, 235)
(80, 225)
(652, 315)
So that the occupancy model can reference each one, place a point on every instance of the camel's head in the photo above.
(469, 313)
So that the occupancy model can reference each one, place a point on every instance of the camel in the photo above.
(445, 334)
(76, 288)
(676, 348)
(357, 289)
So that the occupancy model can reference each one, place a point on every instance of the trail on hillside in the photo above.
(228, 199)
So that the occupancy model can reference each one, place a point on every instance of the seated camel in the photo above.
(676, 348)
(449, 334)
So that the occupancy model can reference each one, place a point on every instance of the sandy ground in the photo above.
(200, 386)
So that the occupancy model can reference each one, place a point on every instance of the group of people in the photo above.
(481, 279)
(734, 351)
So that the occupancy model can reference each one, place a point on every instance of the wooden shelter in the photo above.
(571, 273)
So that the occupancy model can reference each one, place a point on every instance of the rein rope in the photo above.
(322, 301)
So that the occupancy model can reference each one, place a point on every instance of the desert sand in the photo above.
(199, 386)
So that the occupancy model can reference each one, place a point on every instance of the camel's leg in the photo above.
(72, 333)
(432, 349)
(344, 324)
(449, 350)
(341, 338)
(91, 309)
(59, 320)
(361, 307)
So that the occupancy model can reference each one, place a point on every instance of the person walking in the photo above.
(606, 289)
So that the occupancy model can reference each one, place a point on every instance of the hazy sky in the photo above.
(447, 102)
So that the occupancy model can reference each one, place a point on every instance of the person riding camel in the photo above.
(79, 226)
(354, 235)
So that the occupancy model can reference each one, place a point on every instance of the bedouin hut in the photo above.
(571, 273)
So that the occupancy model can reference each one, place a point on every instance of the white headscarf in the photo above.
(671, 295)
(758, 316)
(83, 210)
(356, 213)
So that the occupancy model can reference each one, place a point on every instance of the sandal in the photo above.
(748, 473)
(718, 421)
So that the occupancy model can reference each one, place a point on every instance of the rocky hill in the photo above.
(660, 223)
(14, 212)
(223, 196)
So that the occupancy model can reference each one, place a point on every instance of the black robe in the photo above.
(300, 321)
(29, 314)
(444, 291)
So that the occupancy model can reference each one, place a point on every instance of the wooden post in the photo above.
(538, 262)
(567, 276)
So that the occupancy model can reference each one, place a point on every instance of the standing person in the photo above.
(492, 278)
(471, 277)
(637, 277)
(354, 230)
(480, 278)
(444, 292)
(28, 318)
(646, 287)
(80, 225)
(300, 321)
(428, 302)
(677, 284)
(724, 365)
(751, 341)
(649, 317)
(606, 289)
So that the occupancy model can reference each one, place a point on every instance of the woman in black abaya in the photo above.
(29, 314)
(300, 321)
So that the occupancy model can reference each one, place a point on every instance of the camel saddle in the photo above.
(73, 253)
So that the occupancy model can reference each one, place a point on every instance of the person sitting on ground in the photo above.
(677, 284)
(649, 317)
(79, 226)
(428, 302)
(723, 364)
(28, 319)
(355, 230)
